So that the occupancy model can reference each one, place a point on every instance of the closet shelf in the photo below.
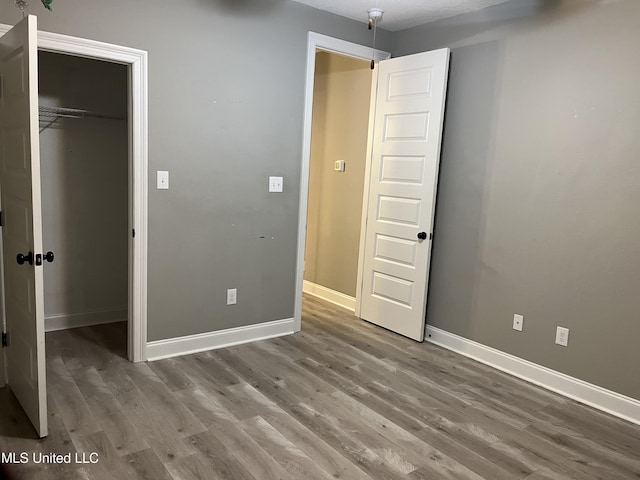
(50, 115)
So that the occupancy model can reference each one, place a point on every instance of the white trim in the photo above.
(315, 42)
(608, 401)
(364, 212)
(174, 347)
(328, 295)
(64, 321)
(138, 144)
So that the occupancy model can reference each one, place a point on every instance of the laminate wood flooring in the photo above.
(341, 399)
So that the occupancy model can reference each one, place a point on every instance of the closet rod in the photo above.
(50, 115)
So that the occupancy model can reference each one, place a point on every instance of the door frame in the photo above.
(136, 61)
(318, 42)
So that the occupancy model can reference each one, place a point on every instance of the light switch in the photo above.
(163, 180)
(339, 166)
(275, 184)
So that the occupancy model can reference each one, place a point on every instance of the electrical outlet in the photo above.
(275, 184)
(163, 180)
(232, 296)
(518, 321)
(562, 336)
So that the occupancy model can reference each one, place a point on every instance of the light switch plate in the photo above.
(275, 184)
(339, 166)
(163, 180)
(232, 296)
(562, 336)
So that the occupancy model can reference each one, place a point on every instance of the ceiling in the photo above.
(401, 14)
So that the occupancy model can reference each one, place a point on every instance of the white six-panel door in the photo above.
(22, 221)
(407, 131)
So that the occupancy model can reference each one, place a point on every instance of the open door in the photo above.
(22, 220)
(3, 373)
(400, 206)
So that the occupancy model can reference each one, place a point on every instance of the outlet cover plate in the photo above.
(275, 184)
(163, 180)
(518, 321)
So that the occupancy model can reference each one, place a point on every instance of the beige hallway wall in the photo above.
(340, 122)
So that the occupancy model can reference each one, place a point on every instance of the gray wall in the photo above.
(341, 98)
(84, 165)
(226, 106)
(539, 194)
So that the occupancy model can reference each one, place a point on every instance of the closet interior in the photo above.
(85, 189)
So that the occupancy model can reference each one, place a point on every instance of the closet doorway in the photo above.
(136, 63)
(84, 176)
(20, 115)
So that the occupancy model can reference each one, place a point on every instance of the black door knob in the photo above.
(422, 235)
(21, 259)
(48, 257)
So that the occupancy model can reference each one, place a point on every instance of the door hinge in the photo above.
(133, 232)
(4, 339)
(0, 218)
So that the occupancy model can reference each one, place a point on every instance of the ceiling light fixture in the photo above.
(22, 5)
(375, 14)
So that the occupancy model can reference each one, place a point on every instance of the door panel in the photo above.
(22, 220)
(3, 378)
(409, 112)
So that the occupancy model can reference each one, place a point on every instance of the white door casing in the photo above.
(402, 180)
(22, 222)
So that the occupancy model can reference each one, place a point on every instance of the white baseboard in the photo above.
(331, 296)
(63, 321)
(174, 347)
(608, 401)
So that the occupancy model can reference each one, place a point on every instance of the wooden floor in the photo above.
(341, 399)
